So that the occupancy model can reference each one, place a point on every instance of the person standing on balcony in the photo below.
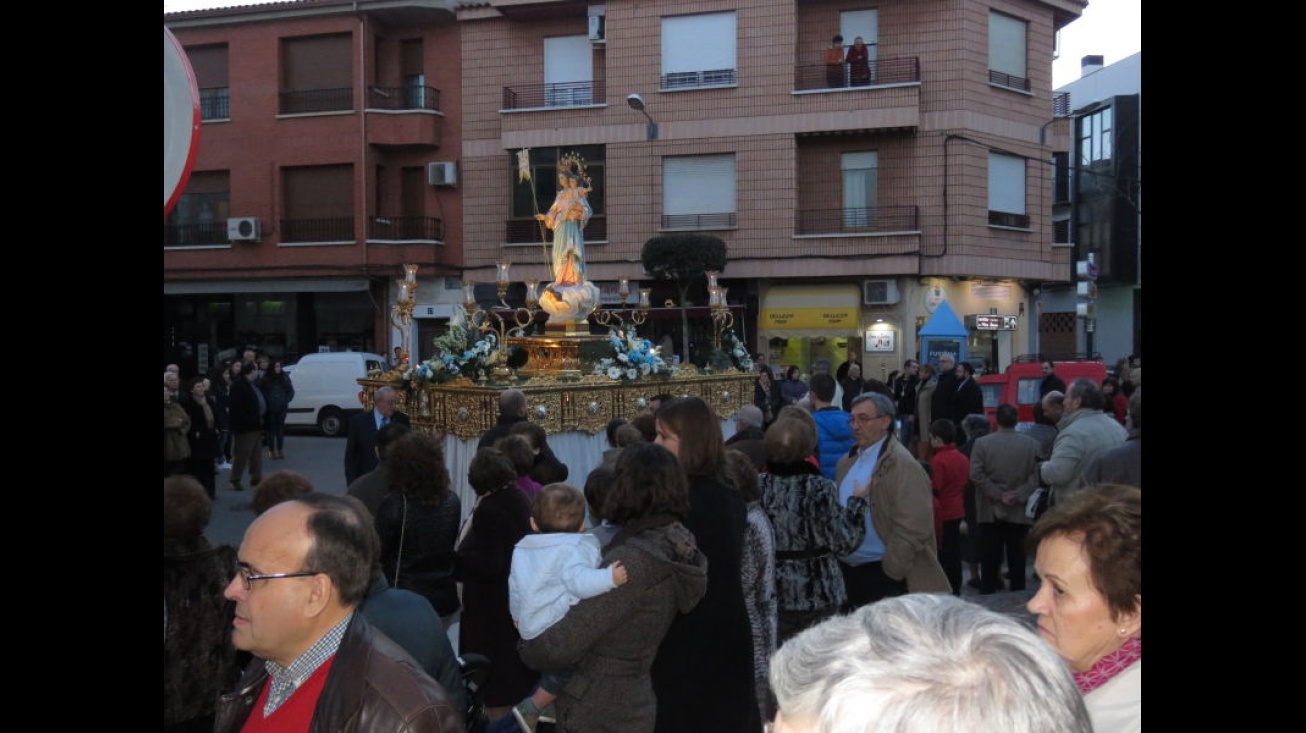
(859, 63)
(567, 218)
(834, 63)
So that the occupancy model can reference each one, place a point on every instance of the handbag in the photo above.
(1037, 503)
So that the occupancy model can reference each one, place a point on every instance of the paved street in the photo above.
(321, 459)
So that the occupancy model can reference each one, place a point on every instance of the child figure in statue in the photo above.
(567, 218)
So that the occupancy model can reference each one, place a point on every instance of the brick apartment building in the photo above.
(853, 202)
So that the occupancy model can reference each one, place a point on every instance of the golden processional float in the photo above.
(574, 381)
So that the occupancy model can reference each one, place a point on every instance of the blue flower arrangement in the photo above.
(632, 358)
(734, 348)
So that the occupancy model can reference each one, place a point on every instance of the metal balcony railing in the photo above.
(691, 79)
(1061, 231)
(403, 98)
(337, 229)
(189, 235)
(300, 101)
(215, 103)
(1009, 81)
(874, 219)
(1061, 104)
(564, 94)
(523, 231)
(699, 221)
(808, 77)
(1008, 219)
(406, 228)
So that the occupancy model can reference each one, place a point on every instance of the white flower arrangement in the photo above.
(632, 358)
(457, 352)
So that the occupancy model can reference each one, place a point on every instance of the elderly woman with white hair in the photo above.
(923, 663)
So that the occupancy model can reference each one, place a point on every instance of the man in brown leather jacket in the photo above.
(303, 569)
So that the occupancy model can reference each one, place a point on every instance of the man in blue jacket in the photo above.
(834, 434)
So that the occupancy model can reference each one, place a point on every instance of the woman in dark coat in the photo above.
(484, 556)
(418, 522)
(202, 435)
(703, 674)
(609, 641)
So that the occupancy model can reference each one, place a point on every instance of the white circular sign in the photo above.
(181, 120)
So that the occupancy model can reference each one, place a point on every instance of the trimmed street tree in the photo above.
(683, 258)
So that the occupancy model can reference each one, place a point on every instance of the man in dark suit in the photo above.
(1051, 382)
(512, 410)
(967, 399)
(360, 446)
(941, 400)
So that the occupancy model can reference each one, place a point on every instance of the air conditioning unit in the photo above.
(243, 229)
(598, 22)
(879, 292)
(442, 173)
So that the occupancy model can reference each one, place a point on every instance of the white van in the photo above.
(327, 391)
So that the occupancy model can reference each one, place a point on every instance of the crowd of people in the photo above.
(225, 420)
(688, 582)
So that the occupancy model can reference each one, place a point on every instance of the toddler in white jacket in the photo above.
(551, 571)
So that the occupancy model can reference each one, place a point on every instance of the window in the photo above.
(319, 203)
(1007, 52)
(568, 71)
(522, 227)
(698, 50)
(415, 91)
(1007, 191)
(210, 66)
(316, 74)
(698, 192)
(860, 188)
(200, 216)
(1095, 137)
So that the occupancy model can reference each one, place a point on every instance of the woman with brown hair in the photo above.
(703, 674)
(418, 522)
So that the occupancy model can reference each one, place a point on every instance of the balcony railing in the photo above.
(874, 219)
(810, 77)
(300, 101)
(699, 221)
(1061, 104)
(406, 228)
(403, 98)
(691, 79)
(1008, 219)
(1061, 231)
(565, 94)
(1009, 81)
(190, 235)
(215, 103)
(523, 231)
(338, 229)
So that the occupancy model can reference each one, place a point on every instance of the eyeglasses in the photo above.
(863, 419)
(247, 579)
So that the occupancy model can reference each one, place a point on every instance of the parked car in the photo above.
(327, 391)
(1019, 384)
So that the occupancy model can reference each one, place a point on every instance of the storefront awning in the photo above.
(810, 311)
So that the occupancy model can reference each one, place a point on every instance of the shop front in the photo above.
(802, 324)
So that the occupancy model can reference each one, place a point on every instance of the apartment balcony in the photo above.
(404, 116)
(998, 78)
(1061, 232)
(552, 96)
(870, 220)
(883, 72)
(335, 229)
(306, 101)
(528, 231)
(405, 229)
(1009, 220)
(1061, 104)
(195, 235)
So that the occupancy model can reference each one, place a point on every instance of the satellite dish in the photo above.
(181, 120)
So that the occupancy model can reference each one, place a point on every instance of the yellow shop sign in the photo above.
(809, 318)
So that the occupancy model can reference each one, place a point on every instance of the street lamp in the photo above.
(636, 103)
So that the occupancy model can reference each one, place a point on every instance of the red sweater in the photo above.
(295, 714)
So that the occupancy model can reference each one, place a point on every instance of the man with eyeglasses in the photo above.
(898, 554)
(304, 568)
(360, 445)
